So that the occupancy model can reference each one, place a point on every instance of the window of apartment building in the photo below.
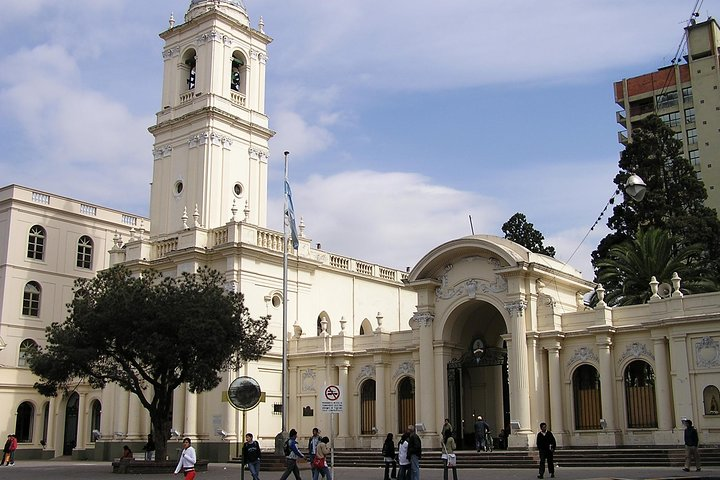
(31, 300)
(666, 100)
(687, 94)
(692, 136)
(694, 156)
(84, 252)
(678, 136)
(36, 243)
(689, 115)
(671, 119)
(27, 347)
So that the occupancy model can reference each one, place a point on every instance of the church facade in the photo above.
(479, 326)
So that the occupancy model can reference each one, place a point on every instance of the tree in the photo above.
(520, 231)
(630, 265)
(673, 202)
(149, 331)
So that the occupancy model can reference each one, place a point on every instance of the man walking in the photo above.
(546, 446)
(312, 447)
(691, 446)
(414, 452)
(481, 428)
(292, 454)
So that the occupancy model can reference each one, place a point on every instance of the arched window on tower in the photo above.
(36, 243)
(367, 407)
(190, 63)
(27, 347)
(366, 327)
(23, 422)
(586, 393)
(238, 78)
(323, 317)
(31, 300)
(640, 395)
(406, 403)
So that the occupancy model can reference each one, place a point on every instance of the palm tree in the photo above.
(631, 264)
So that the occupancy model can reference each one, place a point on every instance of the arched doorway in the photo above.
(71, 423)
(478, 372)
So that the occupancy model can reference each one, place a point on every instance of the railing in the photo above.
(220, 236)
(88, 209)
(164, 247)
(186, 96)
(237, 98)
(386, 273)
(364, 268)
(270, 240)
(340, 262)
(129, 219)
(41, 198)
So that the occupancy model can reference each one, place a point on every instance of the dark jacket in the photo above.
(546, 442)
(388, 448)
(251, 452)
(414, 445)
(691, 437)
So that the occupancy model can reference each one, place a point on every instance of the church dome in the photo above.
(237, 3)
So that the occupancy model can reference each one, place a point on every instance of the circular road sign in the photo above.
(332, 393)
(244, 393)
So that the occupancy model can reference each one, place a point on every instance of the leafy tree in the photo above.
(149, 331)
(630, 265)
(673, 201)
(522, 232)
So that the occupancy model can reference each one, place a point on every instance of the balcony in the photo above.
(621, 118)
(622, 137)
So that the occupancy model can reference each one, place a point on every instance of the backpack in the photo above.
(286, 447)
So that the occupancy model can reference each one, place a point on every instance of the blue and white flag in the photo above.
(290, 216)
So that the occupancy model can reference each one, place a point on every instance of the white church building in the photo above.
(479, 326)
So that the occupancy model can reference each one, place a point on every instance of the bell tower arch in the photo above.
(211, 135)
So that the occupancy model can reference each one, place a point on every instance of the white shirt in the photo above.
(402, 453)
(187, 460)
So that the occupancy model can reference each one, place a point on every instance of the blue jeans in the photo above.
(414, 467)
(254, 468)
(322, 471)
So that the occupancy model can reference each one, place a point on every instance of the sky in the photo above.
(403, 119)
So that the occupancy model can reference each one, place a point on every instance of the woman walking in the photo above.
(403, 460)
(450, 459)
(388, 452)
(320, 461)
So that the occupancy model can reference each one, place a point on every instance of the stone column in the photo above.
(424, 321)
(230, 421)
(121, 411)
(556, 391)
(190, 413)
(662, 384)
(607, 380)
(133, 429)
(343, 419)
(82, 437)
(380, 395)
(52, 419)
(518, 366)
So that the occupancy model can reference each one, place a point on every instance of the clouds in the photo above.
(390, 218)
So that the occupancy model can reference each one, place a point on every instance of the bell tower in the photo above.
(211, 135)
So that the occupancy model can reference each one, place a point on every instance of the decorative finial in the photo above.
(142, 230)
(184, 219)
(654, 288)
(234, 211)
(600, 292)
(302, 228)
(172, 20)
(379, 318)
(246, 211)
(676, 285)
(342, 325)
(196, 217)
(261, 25)
(132, 233)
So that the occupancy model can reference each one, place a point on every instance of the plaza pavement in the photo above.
(87, 470)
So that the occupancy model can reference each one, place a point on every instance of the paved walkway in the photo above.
(70, 470)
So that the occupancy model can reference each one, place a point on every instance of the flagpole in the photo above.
(286, 219)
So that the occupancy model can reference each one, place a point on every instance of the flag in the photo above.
(290, 216)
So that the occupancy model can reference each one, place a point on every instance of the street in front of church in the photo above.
(82, 470)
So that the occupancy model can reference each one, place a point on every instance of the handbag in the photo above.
(451, 460)
(318, 462)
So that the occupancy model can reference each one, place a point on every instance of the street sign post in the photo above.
(332, 402)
